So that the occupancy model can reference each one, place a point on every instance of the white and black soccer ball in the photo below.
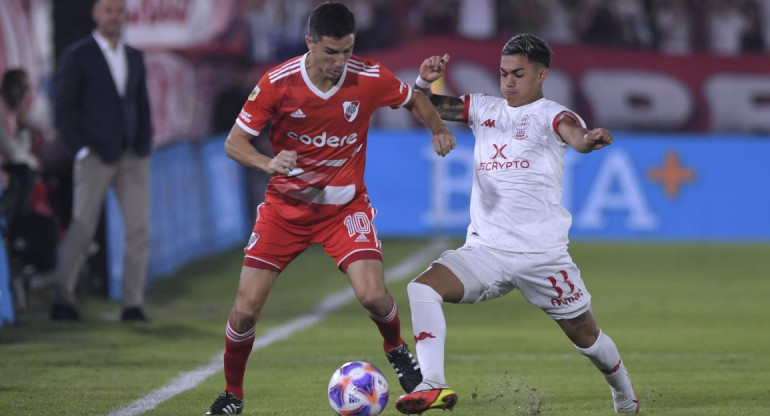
(358, 389)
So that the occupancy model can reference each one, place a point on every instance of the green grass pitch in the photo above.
(690, 321)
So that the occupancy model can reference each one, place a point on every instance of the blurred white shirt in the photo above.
(116, 60)
(725, 29)
(477, 19)
(675, 28)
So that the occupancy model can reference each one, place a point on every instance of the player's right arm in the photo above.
(238, 147)
(256, 112)
(449, 108)
(67, 95)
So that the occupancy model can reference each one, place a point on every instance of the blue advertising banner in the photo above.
(6, 296)
(228, 220)
(645, 187)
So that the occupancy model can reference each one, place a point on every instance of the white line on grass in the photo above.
(328, 305)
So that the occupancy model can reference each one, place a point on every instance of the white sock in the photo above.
(429, 328)
(605, 356)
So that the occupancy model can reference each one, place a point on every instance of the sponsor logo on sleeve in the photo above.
(253, 240)
(245, 116)
(254, 93)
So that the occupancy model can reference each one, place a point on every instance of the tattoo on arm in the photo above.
(449, 108)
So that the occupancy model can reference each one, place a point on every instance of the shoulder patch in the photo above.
(254, 93)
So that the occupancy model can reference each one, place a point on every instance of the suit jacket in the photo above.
(89, 110)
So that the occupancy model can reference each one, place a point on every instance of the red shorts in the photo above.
(346, 237)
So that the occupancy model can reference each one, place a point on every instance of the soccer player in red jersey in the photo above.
(320, 104)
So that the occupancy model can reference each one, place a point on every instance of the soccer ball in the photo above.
(358, 389)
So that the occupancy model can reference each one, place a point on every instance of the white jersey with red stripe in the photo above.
(328, 131)
(519, 160)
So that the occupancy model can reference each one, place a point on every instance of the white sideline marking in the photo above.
(328, 305)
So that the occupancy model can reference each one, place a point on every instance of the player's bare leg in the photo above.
(366, 279)
(426, 294)
(253, 290)
(368, 283)
(590, 341)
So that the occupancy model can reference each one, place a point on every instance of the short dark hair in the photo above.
(531, 46)
(330, 19)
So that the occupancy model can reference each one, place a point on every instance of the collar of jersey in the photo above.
(324, 95)
(525, 106)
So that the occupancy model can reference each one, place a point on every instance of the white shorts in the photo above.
(550, 280)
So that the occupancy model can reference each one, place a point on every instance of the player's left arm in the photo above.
(582, 139)
(425, 113)
(449, 108)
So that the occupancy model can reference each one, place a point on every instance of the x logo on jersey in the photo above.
(499, 151)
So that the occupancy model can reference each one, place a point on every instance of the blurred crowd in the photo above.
(727, 27)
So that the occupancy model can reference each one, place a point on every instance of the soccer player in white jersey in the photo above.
(517, 238)
(320, 104)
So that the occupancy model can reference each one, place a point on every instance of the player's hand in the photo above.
(433, 67)
(283, 163)
(443, 141)
(597, 138)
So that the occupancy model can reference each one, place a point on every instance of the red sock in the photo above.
(390, 328)
(237, 350)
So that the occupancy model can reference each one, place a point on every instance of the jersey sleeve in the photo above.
(474, 105)
(557, 113)
(259, 107)
(392, 91)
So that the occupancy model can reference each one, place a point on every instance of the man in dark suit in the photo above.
(103, 115)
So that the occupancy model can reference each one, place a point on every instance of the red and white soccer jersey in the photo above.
(519, 160)
(328, 131)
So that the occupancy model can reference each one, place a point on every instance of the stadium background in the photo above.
(689, 163)
(670, 224)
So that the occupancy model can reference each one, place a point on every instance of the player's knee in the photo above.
(586, 338)
(245, 313)
(581, 330)
(241, 322)
(423, 293)
(378, 303)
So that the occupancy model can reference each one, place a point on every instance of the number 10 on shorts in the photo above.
(357, 223)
